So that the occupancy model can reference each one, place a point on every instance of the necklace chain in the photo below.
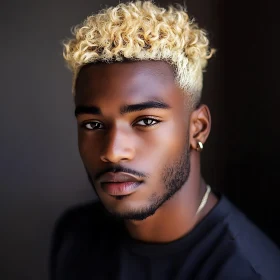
(204, 199)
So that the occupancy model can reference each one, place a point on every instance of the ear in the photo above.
(200, 126)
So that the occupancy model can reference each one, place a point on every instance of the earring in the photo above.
(199, 146)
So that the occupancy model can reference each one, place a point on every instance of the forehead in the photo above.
(126, 81)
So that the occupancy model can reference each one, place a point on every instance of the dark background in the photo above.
(41, 172)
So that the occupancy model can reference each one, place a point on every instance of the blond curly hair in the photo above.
(140, 31)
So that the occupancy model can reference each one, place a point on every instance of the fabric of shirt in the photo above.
(88, 244)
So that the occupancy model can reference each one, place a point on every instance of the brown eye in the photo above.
(147, 122)
(93, 125)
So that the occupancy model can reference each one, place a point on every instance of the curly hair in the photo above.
(140, 31)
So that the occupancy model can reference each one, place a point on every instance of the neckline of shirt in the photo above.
(208, 223)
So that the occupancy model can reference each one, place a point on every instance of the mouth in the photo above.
(120, 188)
(119, 183)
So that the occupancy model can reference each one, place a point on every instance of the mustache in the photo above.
(119, 168)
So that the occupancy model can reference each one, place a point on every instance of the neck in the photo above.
(177, 216)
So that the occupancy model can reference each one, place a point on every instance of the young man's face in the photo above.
(133, 135)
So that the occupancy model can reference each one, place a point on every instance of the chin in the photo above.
(124, 209)
(135, 215)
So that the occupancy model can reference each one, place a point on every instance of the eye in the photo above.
(93, 125)
(147, 122)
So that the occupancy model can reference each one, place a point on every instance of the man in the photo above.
(137, 80)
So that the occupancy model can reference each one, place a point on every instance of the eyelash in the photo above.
(154, 120)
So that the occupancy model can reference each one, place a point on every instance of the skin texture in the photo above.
(157, 145)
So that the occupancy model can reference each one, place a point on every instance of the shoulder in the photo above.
(81, 221)
(251, 251)
(78, 232)
(73, 221)
(80, 217)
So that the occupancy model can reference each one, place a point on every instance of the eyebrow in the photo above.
(125, 109)
(143, 106)
(92, 110)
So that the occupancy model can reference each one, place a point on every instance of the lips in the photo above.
(120, 183)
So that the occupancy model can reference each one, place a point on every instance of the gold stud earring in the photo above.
(199, 146)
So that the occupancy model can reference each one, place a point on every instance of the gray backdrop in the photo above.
(41, 171)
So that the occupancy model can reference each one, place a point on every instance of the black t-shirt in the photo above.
(88, 244)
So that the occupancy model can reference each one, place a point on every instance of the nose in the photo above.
(118, 146)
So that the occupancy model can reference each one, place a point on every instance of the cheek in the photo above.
(88, 148)
(164, 144)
